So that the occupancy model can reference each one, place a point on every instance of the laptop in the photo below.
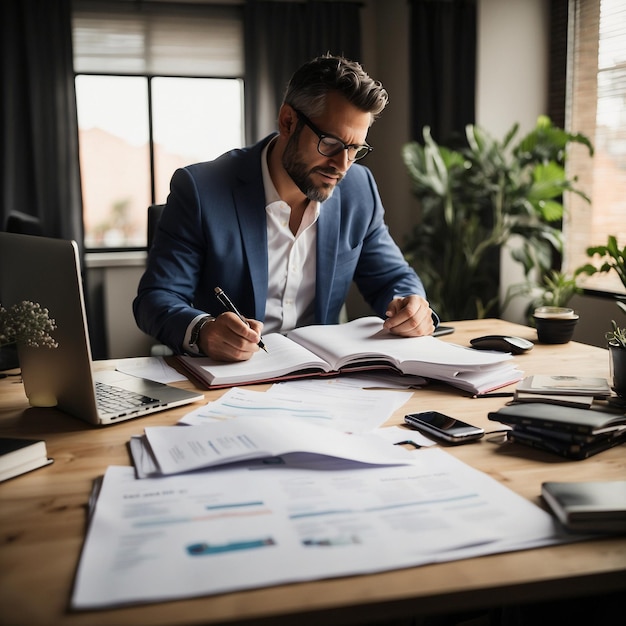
(47, 271)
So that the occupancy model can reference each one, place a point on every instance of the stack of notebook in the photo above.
(574, 433)
(574, 391)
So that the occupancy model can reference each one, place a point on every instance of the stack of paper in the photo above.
(260, 524)
(334, 402)
(167, 450)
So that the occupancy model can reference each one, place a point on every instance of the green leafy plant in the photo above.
(617, 336)
(612, 257)
(474, 199)
(555, 289)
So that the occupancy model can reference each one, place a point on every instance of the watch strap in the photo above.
(195, 331)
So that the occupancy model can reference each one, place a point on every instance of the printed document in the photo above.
(325, 402)
(229, 529)
(177, 449)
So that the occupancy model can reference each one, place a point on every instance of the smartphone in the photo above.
(443, 427)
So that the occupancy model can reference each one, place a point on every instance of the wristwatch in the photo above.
(195, 331)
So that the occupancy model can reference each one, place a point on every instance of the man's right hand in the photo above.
(227, 338)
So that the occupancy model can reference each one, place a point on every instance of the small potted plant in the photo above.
(617, 350)
(548, 307)
(26, 323)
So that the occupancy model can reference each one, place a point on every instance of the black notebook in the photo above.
(576, 402)
(574, 450)
(554, 417)
(588, 506)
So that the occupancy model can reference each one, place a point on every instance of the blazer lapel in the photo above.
(327, 240)
(249, 198)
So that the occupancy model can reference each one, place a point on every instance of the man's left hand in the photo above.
(410, 316)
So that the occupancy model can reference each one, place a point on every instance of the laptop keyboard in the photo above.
(116, 400)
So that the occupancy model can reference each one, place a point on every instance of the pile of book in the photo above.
(558, 414)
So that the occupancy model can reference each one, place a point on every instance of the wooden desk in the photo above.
(42, 521)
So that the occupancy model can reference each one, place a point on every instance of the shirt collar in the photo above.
(271, 195)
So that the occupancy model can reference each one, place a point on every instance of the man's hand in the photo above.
(227, 338)
(410, 316)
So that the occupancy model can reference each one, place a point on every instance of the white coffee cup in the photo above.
(555, 313)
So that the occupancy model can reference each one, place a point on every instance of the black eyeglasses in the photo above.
(330, 146)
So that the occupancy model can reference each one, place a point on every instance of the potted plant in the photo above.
(27, 323)
(548, 305)
(617, 350)
(474, 199)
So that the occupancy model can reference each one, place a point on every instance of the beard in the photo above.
(302, 175)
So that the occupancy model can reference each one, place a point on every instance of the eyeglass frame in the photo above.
(321, 136)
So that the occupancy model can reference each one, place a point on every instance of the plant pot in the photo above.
(617, 363)
(555, 324)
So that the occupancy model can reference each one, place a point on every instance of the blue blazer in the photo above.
(213, 233)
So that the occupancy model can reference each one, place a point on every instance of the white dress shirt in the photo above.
(291, 261)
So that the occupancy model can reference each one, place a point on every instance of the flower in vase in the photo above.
(27, 323)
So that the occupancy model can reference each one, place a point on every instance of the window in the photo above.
(597, 108)
(157, 88)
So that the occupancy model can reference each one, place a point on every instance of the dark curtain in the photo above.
(557, 77)
(38, 126)
(442, 67)
(281, 36)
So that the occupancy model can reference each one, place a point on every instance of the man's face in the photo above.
(314, 174)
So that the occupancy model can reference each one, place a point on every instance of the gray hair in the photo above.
(310, 84)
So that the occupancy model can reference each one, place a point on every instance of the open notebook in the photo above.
(47, 271)
(359, 345)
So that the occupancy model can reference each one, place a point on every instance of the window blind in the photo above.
(158, 39)
(612, 55)
(597, 108)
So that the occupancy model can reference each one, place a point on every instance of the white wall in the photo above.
(512, 60)
(512, 87)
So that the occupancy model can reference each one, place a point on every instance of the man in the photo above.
(283, 227)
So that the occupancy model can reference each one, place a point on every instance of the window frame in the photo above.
(583, 16)
(220, 43)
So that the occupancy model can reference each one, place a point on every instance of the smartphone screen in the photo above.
(443, 426)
